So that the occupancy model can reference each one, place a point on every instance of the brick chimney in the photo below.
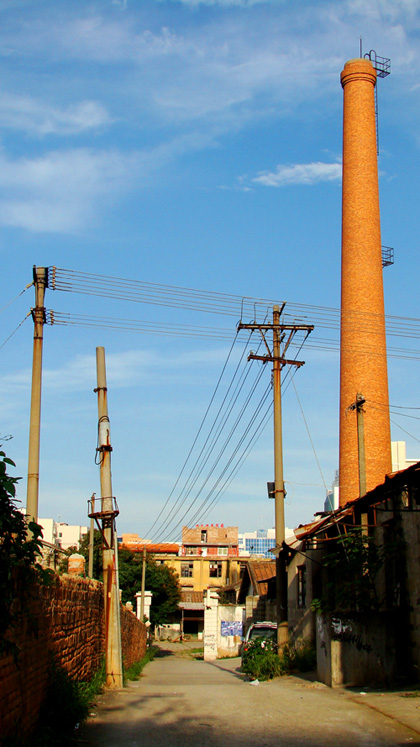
(363, 364)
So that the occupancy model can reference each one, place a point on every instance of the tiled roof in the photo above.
(161, 549)
(191, 600)
(260, 571)
(191, 596)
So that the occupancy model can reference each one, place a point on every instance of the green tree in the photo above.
(20, 551)
(160, 580)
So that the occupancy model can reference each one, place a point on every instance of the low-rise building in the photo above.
(60, 534)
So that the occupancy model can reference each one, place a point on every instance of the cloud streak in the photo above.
(37, 118)
(60, 191)
(66, 190)
(300, 173)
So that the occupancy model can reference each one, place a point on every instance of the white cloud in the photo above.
(35, 117)
(300, 173)
(60, 191)
(390, 9)
(228, 3)
(124, 369)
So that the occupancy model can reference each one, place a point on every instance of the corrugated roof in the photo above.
(191, 606)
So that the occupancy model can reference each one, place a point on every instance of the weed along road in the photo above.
(180, 701)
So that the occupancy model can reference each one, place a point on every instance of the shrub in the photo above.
(66, 704)
(262, 661)
(301, 657)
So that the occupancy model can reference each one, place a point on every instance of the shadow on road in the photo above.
(235, 672)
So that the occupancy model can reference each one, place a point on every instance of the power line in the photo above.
(196, 437)
(309, 434)
(233, 464)
(404, 431)
(16, 297)
(201, 332)
(15, 330)
(201, 460)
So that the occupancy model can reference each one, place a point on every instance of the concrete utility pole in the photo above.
(358, 406)
(91, 539)
(278, 360)
(38, 313)
(114, 677)
(143, 584)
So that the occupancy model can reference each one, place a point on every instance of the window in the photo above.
(187, 570)
(301, 586)
(222, 551)
(203, 535)
(190, 551)
(215, 570)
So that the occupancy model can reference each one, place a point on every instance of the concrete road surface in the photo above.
(180, 702)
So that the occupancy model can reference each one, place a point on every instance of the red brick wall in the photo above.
(217, 535)
(133, 638)
(64, 620)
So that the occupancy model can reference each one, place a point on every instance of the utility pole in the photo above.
(358, 406)
(143, 584)
(40, 275)
(279, 361)
(107, 515)
(91, 540)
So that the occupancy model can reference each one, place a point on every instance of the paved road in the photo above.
(180, 702)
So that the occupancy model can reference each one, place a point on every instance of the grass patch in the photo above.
(134, 672)
(197, 653)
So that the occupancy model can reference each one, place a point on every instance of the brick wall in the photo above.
(133, 638)
(217, 535)
(64, 621)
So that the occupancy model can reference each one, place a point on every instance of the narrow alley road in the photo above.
(180, 702)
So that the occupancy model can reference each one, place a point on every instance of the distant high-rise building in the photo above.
(259, 542)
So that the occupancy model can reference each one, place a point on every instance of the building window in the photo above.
(301, 586)
(190, 551)
(222, 551)
(203, 535)
(187, 570)
(215, 570)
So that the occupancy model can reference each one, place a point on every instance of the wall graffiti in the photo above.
(343, 631)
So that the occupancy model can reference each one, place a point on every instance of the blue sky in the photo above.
(193, 144)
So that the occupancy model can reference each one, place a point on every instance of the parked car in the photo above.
(265, 629)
